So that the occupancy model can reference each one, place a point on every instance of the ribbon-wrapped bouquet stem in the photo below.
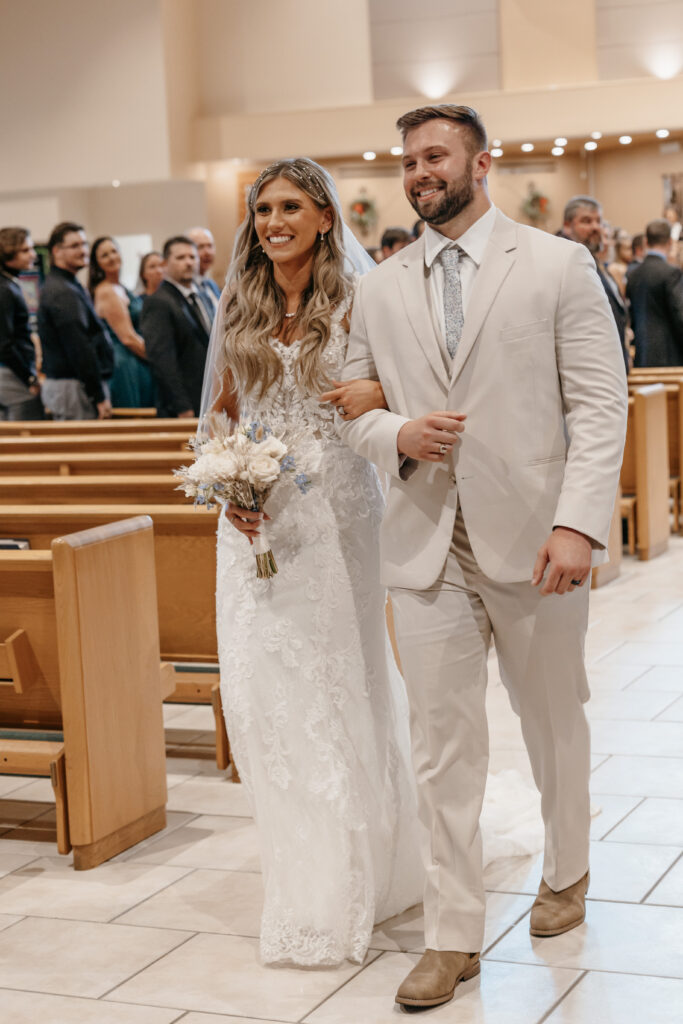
(240, 464)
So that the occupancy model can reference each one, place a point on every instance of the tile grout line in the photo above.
(156, 960)
(363, 967)
(562, 998)
(134, 906)
(628, 813)
(642, 675)
(664, 710)
(660, 880)
(507, 931)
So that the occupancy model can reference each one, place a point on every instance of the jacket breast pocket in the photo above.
(520, 332)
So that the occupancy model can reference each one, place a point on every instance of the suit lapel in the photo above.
(499, 256)
(411, 280)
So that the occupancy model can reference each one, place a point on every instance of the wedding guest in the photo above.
(206, 250)
(638, 247)
(393, 240)
(78, 358)
(19, 386)
(176, 325)
(655, 291)
(131, 385)
(623, 254)
(151, 273)
(583, 223)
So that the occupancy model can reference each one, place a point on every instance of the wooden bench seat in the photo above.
(165, 441)
(130, 489)
(89, 463)
(645, 468)
(55, 428)
(80, 684)
(185, 568)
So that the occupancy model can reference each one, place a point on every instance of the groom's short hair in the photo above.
(466, 116)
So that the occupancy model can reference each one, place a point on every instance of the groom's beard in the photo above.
(455, 197)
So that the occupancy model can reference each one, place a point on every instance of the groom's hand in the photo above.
(430, 438)
(567, 556)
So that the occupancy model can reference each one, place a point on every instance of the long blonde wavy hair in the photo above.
(256, 306)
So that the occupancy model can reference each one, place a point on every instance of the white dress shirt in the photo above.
(473, 243)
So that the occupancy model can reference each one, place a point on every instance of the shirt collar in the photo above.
(186, 292)
(656, 252)
(473, 242)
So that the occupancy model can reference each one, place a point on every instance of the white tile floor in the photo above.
(167, 931)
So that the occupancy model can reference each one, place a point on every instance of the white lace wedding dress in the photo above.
(315, 707)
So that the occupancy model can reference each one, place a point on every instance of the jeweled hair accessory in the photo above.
(307, 176)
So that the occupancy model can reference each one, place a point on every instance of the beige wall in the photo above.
(83, 94)
(630, 185)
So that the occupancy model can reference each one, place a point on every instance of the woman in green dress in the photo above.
(132, 385)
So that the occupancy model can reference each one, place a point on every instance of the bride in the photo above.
(314, 703)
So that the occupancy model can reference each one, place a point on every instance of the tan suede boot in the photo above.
(556, 912)
(433, 979)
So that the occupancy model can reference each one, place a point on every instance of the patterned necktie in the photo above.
(200, 311)
(454, 317)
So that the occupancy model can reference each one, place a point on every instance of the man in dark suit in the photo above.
(176, 324)
(583, 224)
(655, 291)
(78, 355)
(206, 250)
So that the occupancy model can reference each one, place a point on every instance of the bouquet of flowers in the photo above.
(240, 466)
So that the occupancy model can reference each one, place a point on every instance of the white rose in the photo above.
(212, 468)
(274, 447)
(262, 470)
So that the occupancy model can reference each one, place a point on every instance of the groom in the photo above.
(503, 437)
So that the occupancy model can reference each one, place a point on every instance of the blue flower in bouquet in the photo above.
(257, 432)
(303, 482)
(288, 464)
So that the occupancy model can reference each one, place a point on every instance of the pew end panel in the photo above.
(105, 599)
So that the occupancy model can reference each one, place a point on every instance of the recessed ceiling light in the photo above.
(396, 150)
(496, 151)
(625, 139)
(496, 143)
(115, 183)
(596, 135)
(557, 150)
(369, 155)
(527, 147)
(590, 145)
(662, 133)
(560, 141)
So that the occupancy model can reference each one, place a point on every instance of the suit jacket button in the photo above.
(453, 478)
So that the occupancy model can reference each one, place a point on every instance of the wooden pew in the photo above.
(55, 428)
(674, 396)
(168, 441)
(645, 469)
(80, 687)
(89, 463)
(185, 567)
(133, 489)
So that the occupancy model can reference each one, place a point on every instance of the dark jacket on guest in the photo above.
(618, 307)
(16, 348)
(74, 340)
(655, 291)
(176, 340)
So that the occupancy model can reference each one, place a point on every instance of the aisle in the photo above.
(167, 932)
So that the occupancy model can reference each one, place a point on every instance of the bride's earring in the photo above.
(322, 236)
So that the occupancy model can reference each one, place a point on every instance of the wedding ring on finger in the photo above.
(576, 583)
(443, 449)
(341, 410)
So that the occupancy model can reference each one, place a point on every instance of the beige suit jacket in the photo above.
(540, 374)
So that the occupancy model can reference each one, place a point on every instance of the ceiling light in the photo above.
(557, 150)
(560, 141)
(369, 155)
(115, 183)
(625, 139)
(527, 147)
(596, 135)
(590, 145)
(662, 133)
(396, 150)
(496, 143)
(496, 151)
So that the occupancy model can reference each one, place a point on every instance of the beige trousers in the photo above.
(443, 636)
